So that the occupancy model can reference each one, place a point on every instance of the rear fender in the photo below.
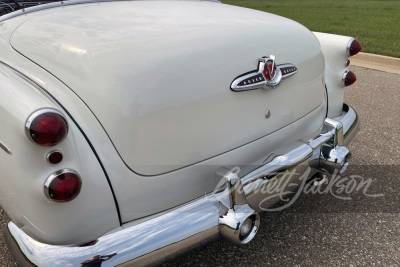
(24, 170)
(334, 49)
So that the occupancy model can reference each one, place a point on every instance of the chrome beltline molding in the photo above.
(5, 148)
(69, 3)
(204, 219)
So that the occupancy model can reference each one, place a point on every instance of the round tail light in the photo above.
(47, 127)
(348, 78)
(353, 48)
(63, 185)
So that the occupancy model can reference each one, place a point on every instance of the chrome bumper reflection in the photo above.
(227, 212)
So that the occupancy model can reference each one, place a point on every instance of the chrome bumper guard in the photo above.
(231, 211)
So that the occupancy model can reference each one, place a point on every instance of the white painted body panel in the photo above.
(157, 75)
(334, 49)
(23, 173)
(139, 196)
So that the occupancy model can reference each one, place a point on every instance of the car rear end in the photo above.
(161, 153)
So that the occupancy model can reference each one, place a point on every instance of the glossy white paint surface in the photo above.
(139, 196)
(157, 75)
(24, 172)
(334, 49)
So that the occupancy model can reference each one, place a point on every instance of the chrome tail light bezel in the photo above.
(39, 112)
(344, 76)
(348, 48)
(56, 174)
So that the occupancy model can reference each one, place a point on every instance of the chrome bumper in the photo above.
(227, 212)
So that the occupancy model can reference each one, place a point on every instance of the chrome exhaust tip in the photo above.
(238, 221)
(239, 225)
(248, 228)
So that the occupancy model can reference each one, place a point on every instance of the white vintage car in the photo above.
(132, 131)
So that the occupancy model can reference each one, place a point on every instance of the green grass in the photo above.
(376, 24)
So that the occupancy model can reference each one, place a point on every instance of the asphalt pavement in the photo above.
(323, 229)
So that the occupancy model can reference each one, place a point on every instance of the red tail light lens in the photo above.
(47, 127)
(354, 47)
(348, 78)
(63, 186)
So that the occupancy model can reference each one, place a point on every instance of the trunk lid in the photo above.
(158, 79)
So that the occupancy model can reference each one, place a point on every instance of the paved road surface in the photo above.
(321, 229)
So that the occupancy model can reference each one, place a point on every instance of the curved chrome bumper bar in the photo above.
(227, 212)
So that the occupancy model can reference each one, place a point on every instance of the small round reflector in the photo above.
(63, 185)
(354, 47)
(348, 78)
(347, 63)
(47, 127)
(54, 157)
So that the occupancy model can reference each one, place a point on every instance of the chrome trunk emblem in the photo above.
(269, 67)
(268, 75)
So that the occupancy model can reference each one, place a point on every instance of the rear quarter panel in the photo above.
(24, 171)
(334, 50)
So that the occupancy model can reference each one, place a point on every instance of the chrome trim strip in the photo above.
(287, 65)
(323, 138)
(5, 148)
(348, 46)
(201, 220)
(237, 88)
(344, 77)
(64, 3)
(38, 113)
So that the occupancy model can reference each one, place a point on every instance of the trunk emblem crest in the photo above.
(270, 69)
(268, 75)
